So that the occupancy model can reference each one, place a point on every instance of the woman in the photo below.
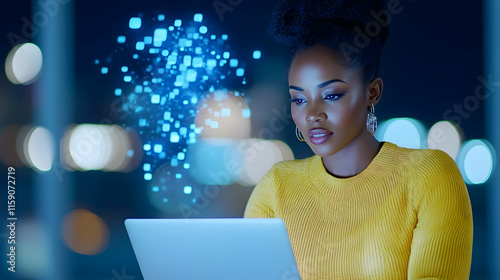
(358, 208)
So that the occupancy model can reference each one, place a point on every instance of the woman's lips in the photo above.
(319, 135)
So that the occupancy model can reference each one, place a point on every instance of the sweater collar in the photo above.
(328, 184)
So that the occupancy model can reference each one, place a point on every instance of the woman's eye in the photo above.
(297, 101)
(334, 96)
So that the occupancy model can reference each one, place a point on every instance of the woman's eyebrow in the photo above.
(322, 85)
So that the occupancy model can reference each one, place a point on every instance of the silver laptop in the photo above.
(214, 249)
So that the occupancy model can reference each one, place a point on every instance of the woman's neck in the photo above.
(354, 158)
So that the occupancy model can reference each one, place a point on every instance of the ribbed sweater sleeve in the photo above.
(442, 239)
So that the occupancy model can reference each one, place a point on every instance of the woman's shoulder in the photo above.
(421, 157)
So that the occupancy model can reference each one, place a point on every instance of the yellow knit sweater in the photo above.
(406, 216)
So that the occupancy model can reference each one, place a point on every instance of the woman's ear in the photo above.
(375, 88)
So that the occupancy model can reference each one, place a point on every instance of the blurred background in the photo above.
(175, 109)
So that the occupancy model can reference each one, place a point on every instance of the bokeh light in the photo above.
(23, 63)
(40, 149)
(445, 136)
(8, 148)
(99, 147)
(476, 160)
(214, 161)
(223, 114)
(84, 232)
(258, 156)
(404, 132)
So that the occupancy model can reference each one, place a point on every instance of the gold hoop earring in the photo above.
(371, 121)
(299, 134)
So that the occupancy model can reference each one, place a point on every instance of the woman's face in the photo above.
(329, 101)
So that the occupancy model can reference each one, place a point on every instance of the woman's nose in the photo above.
(316, 114)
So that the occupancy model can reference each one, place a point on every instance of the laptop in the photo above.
(215, 249)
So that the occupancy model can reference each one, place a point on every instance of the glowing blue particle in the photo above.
(197, 130)
(224, 37)
(135, 23)
(183, 131)
(186, 165)
(171, 28)
(127, 79)
(197, 62)
(148, 176)
(146, 167)
(194, 100)
(181, 155)
(192, 126)
(185, 102)
(104, 70)
(177, 22)
(214, 124)
(135, 56)
(158, 148)
(96, 61)
(138, 89)
(240, 72)
(155, 189)
(147, 147)
(187, 60)
(142, 122)
(198, 50)
(257, 54)
(188, 189)
(211, 63)
(233, 62)
(222, 62)
(164, 52)
(198, 17)
(121, 39)
(166, 127)
(245, 113)
(212, 52)
(148, 40)
(174, 137)
(177, 124)
(130, 153)
(166, 115)
(160, 35)
(118, 91)
(191, 75)
(203, 29)
(225, 112)
(139, 46)
(161, 17)
(217, 114)
(155, 98)
(178, 175)
(212, 37)
(124, 69)
(174, 161)
(236, 93)
(172, 59)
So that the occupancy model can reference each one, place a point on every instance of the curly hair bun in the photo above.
(298, 22)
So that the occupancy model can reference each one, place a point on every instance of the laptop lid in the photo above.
(222, 248)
